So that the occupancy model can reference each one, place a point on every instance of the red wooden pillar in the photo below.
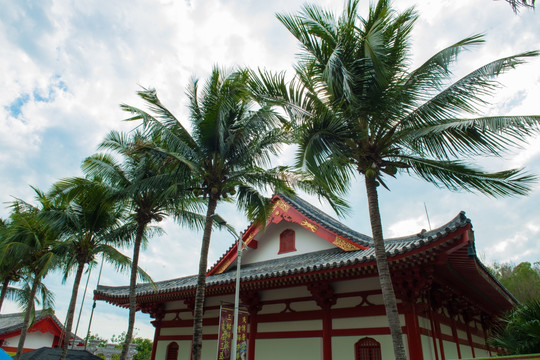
(253, 322)
(439, 335)
(327, 334)
(456, 337)
(253, 302)
(433, 334)
(156, 311)
(469, 338)
(414, 340)
(154, 344)
(323, 294)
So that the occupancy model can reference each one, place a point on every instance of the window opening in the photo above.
(172, 351)
(367, 349)
(286, 241)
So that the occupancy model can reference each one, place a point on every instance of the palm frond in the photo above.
(456, 175)
(468, 137)
(466, 94)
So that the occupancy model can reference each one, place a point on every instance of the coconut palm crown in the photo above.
(90, 218)
(148, 190)
(227, 154)
(359, 109)
(33, 239)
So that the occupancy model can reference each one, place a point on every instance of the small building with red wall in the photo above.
(45, 332)
(311, 288)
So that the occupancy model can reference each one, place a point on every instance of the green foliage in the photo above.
(144, 346)
(517, 4)
(226, 156)
(522, 280)
(519, 331)
(101, 342)
(358, 108)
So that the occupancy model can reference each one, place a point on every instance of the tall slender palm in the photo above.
(360, 110)
(90, 220)
(14, 270)
(226, 154)
(32, 238)
(10, 268)
(149, 190)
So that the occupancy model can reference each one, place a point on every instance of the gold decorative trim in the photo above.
(344, 244)
(283, 205)
(309, 225)
(251, 236)
(223, 267)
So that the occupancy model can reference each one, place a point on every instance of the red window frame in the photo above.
(172, 351)
(287, 241)
(367, 349)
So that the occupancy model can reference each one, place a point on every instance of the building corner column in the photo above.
(414, 340)
(253, 303)
(323, 294)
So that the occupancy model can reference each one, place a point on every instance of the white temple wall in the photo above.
(289, 349)
(466, 351)
(34, 340)
(450, 350)
(427, 347)
(362, 322)
(290, 326)
(305, 242)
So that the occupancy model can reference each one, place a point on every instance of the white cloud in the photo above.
(102, 51)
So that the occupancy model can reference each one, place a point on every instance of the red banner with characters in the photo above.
(226, 323)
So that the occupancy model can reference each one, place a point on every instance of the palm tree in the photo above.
(148, 191)
(516, 4)
(90, 220)
(13, 269)
(360, 110)
(519, 330)
(33, 239)
(9, 272)
(226, 154)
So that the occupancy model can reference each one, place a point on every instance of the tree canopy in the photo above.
(522, 280)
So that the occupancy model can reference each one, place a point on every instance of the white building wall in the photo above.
(305, 242)
(466, 352)
(362, 322)
(450, 350)
(289, 349)
(34, 340)
(290, 326)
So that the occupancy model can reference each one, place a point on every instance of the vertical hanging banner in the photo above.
(226, 323)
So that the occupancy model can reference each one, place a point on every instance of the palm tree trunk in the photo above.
(133, 290)
(3, 293)
(26, 321)
(389, 298)
(71, 310)
(196, 346)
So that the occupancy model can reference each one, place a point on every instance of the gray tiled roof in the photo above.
(304, 263)
(326, 221)
(13, 322)
(46, 353)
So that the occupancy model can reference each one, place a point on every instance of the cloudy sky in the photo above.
(67, 65)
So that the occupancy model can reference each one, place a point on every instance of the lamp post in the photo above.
(220, 221)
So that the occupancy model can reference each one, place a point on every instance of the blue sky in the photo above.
(66, 66)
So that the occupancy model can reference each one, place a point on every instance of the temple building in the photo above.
(311, 289)
(46, 330)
